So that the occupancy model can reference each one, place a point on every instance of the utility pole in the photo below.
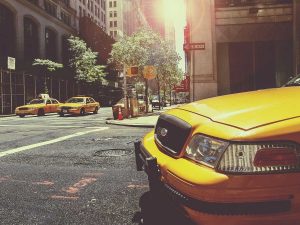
(125, 91)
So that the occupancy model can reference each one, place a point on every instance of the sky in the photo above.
(174, 11)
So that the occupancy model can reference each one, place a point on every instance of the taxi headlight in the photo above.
(205, 150)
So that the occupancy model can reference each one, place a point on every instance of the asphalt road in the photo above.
(69, 170)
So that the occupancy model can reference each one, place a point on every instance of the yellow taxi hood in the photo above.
(250, 110)
(32, 105)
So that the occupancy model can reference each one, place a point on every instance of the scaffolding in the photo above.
(19, 88)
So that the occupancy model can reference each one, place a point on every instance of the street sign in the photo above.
(193, 46)
(149, 72)
(11, 63)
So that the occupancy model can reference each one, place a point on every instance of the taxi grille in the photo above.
(171, 133)
(23, 108)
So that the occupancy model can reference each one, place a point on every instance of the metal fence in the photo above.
(18, 88)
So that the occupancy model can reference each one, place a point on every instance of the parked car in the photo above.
(79, 106)
(39, 106)
(156, 103)
(232, 159)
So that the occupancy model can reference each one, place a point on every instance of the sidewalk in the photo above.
(148, 120)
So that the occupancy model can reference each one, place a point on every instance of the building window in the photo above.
(65, 50)
(50, 44)
(115, 3)
(115, 23)
(115, 33)
(50, 8)
(66, 18)
(33, 2)
(67, 2)
(110, 4)
(110, 14)
(31, 41)
(7, 35)
(115, 14)
(80, 12)
(110, 23)
(111, 33)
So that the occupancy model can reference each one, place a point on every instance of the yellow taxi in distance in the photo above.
(39, 107)
(230, 160)
(78, 106)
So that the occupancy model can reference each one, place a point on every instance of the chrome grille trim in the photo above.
(239, 157)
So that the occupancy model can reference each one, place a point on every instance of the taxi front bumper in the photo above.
(146, 162)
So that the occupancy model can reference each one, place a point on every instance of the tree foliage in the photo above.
(146, 47)
(83, 60)
(47, 64)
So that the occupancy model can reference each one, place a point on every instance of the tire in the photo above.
(41, 112)
(61, 114)
(82, 112)
(22, 116)
(96, 110)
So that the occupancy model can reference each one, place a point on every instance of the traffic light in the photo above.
(132, 71)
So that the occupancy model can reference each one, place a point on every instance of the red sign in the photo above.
(193, 46)
(184, 85)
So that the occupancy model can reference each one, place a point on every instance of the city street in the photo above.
(69, 170)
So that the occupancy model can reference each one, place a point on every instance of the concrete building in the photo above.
(240, 45)
(34, 29)
(94, 9)
(124, 17)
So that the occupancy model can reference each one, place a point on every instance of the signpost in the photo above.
(11, 65)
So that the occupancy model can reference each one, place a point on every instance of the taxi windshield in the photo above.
(37, 101)
(75, 100)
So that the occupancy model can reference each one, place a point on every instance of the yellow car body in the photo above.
(78, 106)
(39, 107)
(230, 160)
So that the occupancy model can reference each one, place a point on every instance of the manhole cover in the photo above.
(112, 152)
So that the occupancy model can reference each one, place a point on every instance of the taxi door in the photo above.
(48, 106)
(54, 105)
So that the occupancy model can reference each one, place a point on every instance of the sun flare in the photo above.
(173, 10)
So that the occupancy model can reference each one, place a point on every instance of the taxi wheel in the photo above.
(22, 116)
(82, 112)
(61, 114)
(41, 112)
(96, 110)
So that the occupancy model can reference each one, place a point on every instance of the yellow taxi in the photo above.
(39, 107)
(230, 160)
(78, 106)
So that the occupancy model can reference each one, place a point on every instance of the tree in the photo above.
(83, 61)
(143, 48)
(47, 66)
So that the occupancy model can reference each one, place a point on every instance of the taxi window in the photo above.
(88, 100)
(92, 100)
(54, 101)
(36, 101)
(48, 101)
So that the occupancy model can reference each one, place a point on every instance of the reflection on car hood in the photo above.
(71, 104)
(249, 110)
(32, 105)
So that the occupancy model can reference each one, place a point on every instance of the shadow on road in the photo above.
(159, 210)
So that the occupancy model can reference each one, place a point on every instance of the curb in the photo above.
(129, 125)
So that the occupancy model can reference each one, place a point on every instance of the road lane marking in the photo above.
(28, 147)
(41, 126)
(75, 188)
